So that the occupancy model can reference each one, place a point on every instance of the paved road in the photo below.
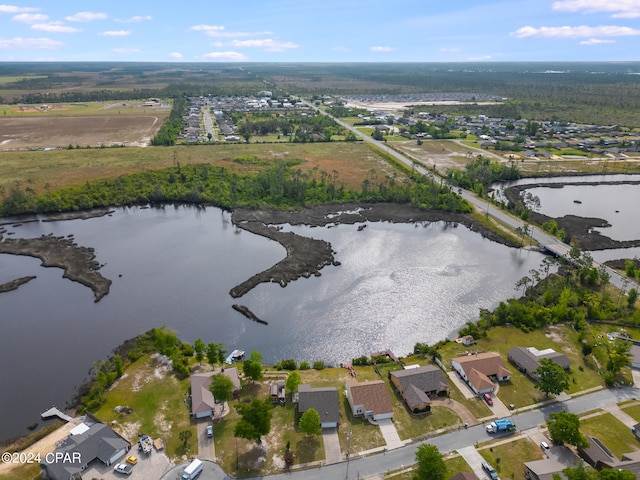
(402, 457)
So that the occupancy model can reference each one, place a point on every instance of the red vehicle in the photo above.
(488, 399)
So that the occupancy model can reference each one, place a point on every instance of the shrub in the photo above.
(304, 366)
(318, 365)
(289, 364)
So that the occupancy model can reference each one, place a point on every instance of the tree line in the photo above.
(279, 186)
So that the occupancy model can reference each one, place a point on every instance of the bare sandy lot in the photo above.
(19, 133)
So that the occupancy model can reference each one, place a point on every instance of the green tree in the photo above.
(252, 368)
(619, 356)
(221, 387)
(564, 427)
(117, 362)
(552, 378)
(309, 422)
(199, 348)
(255, 421)
(632, 298)
(215, 353)
(184, 436)
(431, 466)
(293, 380)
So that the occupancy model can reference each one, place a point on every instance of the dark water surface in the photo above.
(398, 284)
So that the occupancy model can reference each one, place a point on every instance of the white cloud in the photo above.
(217, 44)
(595, 41)
(480, 58)
(582, 31)
(268, 44)
(206, 28)
(175, 55)
(225, 56)
(449, 49)
(87, 17)
(222, 34)
(16, 9)
(618, 8)
(30, 18)
(126, 50)
(382, 49)
(135, 19)
(54, 27)
(116, 33)
(29, 43)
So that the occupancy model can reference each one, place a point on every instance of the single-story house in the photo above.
(369, 399)
(416, 384)
(527, 360)
(232, 374)
(543, 469)
(202, 401)
(476, 370)
(635, 354)
(88, 442)
(323, 400)
(599, 456)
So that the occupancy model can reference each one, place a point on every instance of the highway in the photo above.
(546, 241)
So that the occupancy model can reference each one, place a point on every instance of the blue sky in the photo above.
(320, 31)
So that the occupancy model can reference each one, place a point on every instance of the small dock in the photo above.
(387, 353)
(54, 412)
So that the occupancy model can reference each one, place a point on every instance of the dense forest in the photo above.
(278, 186)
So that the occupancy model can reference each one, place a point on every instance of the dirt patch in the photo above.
(21, 133)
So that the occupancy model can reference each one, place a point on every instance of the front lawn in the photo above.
(610, 431)
(507, 458)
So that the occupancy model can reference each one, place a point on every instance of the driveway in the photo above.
(148, 467)
(390, 434)
(332, 451)
(206, 445)
(474, 459)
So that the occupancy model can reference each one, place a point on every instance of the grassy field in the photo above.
(159, 410)
(507, 458)
(610, 431)
(350, 162)
(632, 410)
(455, 464)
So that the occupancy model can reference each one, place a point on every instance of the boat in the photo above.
(235, 356)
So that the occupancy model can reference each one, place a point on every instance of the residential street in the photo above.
(374, 465)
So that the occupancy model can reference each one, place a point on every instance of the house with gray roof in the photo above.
(87, 443)
(323, 400)
(544, 469)
(527, 360)
(599, 456)
(417, 384)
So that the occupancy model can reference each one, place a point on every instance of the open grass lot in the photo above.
(610, 431)
(632, 409)
(19, 133)
(75, 109)
(353, 161)
(444, 154)
(507, 458)
(455, 464)
(157, 400)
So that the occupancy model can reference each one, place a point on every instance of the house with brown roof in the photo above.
(527, 360)
(323, 400)
(369, 399)
(477, 369)
(203, 404)
(417, 384)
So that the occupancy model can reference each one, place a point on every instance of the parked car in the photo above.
(488, 399)
(209, 431)
(544, 445)
(131, 459)
(490, 471)
(123, 468)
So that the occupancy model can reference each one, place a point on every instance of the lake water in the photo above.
(398, 284)
(617, 204)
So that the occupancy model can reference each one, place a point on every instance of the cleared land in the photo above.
(19, 133)
(350, 162)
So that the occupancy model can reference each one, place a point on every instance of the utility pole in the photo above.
(348, 452)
